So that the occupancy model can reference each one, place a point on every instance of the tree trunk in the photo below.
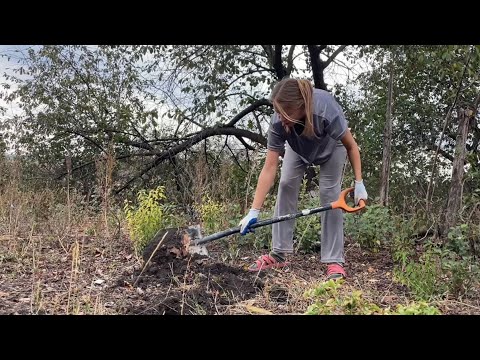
(317, 66)
(456, 188)
(387, 145)
(178, 180)
(280, 70)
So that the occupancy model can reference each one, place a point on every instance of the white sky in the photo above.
(7, 66)
(334, 74)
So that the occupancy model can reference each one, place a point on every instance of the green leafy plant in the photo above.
(307, 233)
(371, 228)
(420, 308)
(217, 216)
(460, 274)
(151, 214)
(458, 259)
(403, 245)
(422, 277)
(212, 213)
(458, 240)
(329, 301)
(439, 271)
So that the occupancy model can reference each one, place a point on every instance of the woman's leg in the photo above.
(332, 220)
(291, 177)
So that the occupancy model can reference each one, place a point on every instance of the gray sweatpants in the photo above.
(291, 177)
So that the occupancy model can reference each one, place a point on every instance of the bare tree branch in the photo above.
(223, 147)
(249, 72)
(445, 154)
(259, 126)
(334, 55)
(194, 122)
(140, 145)
(75, 169)
(204, 150)
(119, 157)
(249, 147)
(269, 51)
(235, 158)
(78, 133)
(248, 110)
(189, 143)
(144, 141)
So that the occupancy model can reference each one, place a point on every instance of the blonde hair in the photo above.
(293, 94)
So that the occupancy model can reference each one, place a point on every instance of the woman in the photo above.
(308, 127)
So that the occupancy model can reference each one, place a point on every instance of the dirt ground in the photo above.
(85, 275)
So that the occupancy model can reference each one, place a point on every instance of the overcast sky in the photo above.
(333, 74)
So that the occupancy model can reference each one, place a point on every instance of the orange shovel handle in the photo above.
(341, 203)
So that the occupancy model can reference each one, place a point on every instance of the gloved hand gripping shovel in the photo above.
(196, 243)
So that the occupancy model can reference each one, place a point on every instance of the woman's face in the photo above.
(297, 115)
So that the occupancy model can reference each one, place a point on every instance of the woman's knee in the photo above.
(329, 193)
(288, 185)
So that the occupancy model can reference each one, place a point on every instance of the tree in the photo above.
(83, 98)
(387, 145)
(429, 84)
(454, 203)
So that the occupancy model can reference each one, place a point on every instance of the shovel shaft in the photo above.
(262, 223)
(339, 204)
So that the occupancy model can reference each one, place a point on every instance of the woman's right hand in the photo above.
(248, 220)
(360, 192)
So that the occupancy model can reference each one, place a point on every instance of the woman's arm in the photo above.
(353, 154)
(266, 179)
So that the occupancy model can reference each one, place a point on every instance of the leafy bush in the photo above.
(403, 245)
(420, 308)
(329, 300)
(458, 240)
(370, 228)
(460, 274)
(422, 278)
(212, 213)
(438, 272)
(151, 215)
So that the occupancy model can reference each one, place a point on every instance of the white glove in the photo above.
(248, 220)
(360, 192)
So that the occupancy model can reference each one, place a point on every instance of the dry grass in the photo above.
(59, 255)
(41, 232)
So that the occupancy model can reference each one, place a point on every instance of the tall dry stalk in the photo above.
(68, 161)
(105, 167)
(73, 274)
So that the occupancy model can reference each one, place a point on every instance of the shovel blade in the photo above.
(194, 233)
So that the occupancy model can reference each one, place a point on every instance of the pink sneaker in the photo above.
(266, 262)
(335, 271)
